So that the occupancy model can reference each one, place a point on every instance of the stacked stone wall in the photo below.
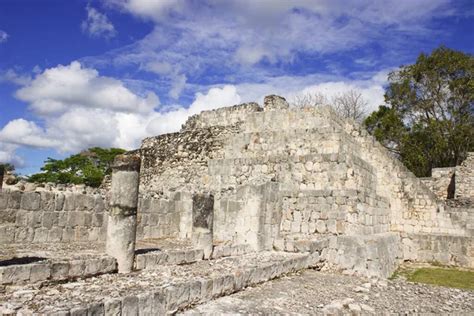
(465, 178)
(441, 182)
(178, 161)
(228, 116)
(43, 216)
(164, 217)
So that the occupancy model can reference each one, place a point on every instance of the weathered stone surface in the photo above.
(122, 219)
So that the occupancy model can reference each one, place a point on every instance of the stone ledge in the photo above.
(156, 291)
(53, 270)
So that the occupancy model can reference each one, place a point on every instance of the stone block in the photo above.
(55, 234)
(14, 274)
(92, 267)
(145, 304)
(24, 234)
(41, 235)
(40, 272)
(4, 200)
(113, 307)
(30, 201)
(48, 219)
(69, 202)
(14, 199)
(47, 201)
(97, 219)
(207, 286)
(59, 270)
(194, 291)
(130, 305)
(140, 262)
(159, 304)
(95, 309)
(79, 311)
(76, 268)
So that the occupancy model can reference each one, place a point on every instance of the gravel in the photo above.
(313, 292)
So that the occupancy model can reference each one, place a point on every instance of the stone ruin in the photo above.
(239, 196)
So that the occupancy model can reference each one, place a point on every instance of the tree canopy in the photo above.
(88, 167)
(429, 118)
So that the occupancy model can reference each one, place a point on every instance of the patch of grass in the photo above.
(444, 277)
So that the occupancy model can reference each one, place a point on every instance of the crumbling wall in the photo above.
(44, 216)
(442, 182)
(178, 161)
(228, 116)
(465, 178)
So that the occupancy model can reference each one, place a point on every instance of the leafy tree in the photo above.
(8, 167)
(88, 167)
(429, 122)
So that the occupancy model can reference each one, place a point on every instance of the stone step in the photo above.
(13, 271)
(154, 292)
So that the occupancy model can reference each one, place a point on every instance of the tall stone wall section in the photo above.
(465, 178)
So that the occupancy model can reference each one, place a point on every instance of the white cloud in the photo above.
(171, 121)
(23, 132)
(97, 24)
(7, 155)
(11, 75)
(63, 88)
(70, 121)
(3, 36)
(195, 33)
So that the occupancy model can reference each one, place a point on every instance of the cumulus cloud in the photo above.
(23, 132)
(97, 24)
(62, 88)
(3, 36)
(76, 108)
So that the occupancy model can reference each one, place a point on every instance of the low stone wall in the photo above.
(442, 249)
(375, 255)
(43, 216)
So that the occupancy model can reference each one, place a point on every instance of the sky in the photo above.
(76, 74)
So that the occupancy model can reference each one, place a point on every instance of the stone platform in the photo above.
(30, 263)
(166, 288)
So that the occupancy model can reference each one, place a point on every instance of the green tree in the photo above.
(429, 120)
(88, 167)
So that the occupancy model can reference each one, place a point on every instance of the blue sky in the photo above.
(76, 74)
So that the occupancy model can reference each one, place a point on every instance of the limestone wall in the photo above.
(441, 249)
(178, 161)
(465, 178)
(44, 216)
(227, 116)
(164, 217)
(441, 182)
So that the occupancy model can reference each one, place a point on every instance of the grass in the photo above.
(449, 277)
(444, 277)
